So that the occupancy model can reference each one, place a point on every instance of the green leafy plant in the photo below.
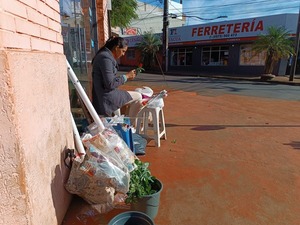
(141, 182)
(148, 48)
(276, 44)
(123, 12)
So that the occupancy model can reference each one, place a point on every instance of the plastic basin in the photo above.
(131, 218)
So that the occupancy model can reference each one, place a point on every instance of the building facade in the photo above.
(221, 47)
(150, 19)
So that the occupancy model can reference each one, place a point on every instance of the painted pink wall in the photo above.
(34, 113)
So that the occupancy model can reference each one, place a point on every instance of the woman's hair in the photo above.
(115, 42)
(111, 43)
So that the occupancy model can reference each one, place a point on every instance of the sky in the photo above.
(233, 9)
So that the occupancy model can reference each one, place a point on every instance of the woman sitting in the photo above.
(107, 98)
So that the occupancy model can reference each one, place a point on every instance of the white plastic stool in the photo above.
(156, 128)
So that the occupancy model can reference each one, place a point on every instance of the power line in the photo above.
(230, 5)
(236, 14)
(151, 3)
(188, 15)
(213, 7)
(179, 10)
(147, 16)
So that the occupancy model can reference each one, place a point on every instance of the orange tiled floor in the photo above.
(228, 160)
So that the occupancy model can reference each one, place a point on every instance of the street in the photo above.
(216, 86)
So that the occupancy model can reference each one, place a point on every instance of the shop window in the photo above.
(181, 57)
(248, 56)
(215, 56)
(130, 54)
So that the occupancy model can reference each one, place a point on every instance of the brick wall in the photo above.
(102, 33)
(30, 25)
(102, 22)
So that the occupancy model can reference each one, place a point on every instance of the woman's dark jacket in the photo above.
(106, 96)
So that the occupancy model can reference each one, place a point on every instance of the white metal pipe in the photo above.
(78, 143)
(84, 97)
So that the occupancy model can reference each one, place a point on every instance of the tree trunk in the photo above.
(270, 62)
(269, 65)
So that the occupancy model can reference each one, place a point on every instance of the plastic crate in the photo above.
(125, 132)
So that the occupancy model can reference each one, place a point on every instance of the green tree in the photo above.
(277, 44)
(123, 11)
(148, 47)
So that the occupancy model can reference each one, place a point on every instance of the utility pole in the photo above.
(294, 62)
(165, 34)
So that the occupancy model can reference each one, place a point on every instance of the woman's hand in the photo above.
(131, 75)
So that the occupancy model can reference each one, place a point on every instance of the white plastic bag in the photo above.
(145, 91)
(112, 144)
(157, 100)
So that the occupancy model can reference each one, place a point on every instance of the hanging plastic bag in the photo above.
(88, 181)
(157, 100)
(98, 180)
(104, 171)
(111, 143)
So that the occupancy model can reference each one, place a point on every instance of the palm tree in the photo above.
(277, 44)
(149, 46)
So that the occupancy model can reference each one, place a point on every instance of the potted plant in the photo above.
(276, 44)
(144, 190)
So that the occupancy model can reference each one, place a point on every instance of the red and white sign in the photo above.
(130, 31)
(235, 30)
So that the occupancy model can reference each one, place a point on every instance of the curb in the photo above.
(256, 79)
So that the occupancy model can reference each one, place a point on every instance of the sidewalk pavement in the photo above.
(227, 160)
(276, 79)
